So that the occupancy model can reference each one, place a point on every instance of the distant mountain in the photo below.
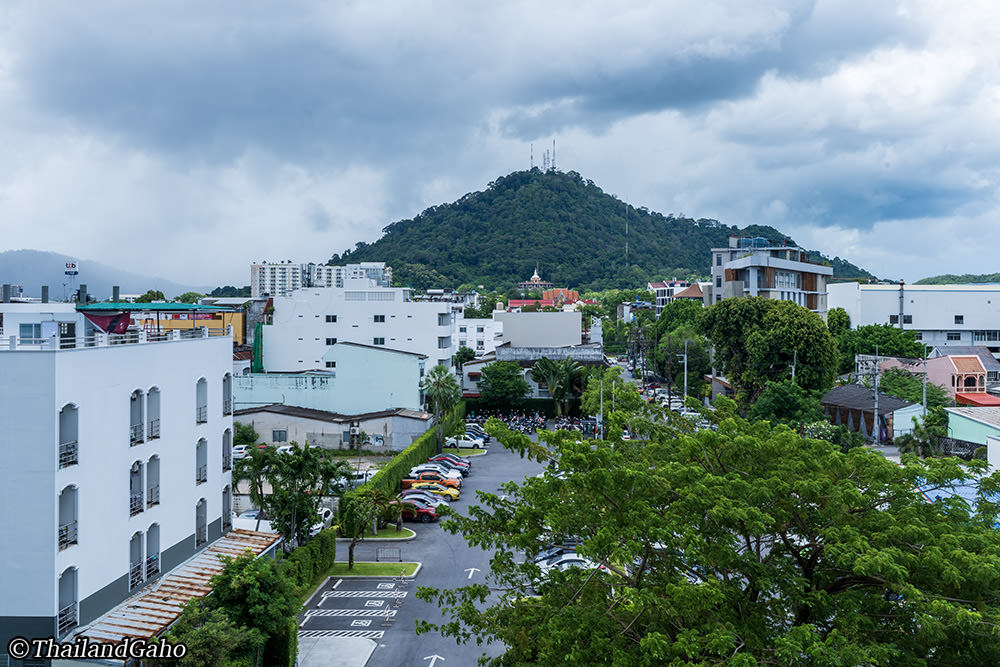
(33, 268)
(566, 225)
(964, 279)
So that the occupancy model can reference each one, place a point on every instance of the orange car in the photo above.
(430, 476)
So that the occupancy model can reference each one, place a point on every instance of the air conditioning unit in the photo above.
(355, 430)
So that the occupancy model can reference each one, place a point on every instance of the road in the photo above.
(448, 562)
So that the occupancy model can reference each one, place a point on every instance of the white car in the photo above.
(286, 449)
(464, 441)
(240, 452)
(445, 472)
(325, 519)
(248, 521)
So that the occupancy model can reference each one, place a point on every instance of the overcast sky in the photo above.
(185, 139)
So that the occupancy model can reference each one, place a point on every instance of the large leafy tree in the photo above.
(502, 386)
(442, 393)
(785, 402)
(619, 394)
(743, 545)
(668, 359)
(887, 339)
(679, 313)
(838, 322)
(902, 384)
(757, 340)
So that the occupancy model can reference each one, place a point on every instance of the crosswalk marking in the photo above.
(366, 634)
(349, 612)
(364, 594)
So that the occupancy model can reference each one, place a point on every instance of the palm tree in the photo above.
(573, 375)
(551, 374)
(255, 468)
(442, 393)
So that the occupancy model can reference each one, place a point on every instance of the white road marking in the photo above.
(367, 634)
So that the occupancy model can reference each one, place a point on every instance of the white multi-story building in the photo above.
(941, 315)
(115, 458)
(665, 292)
(756, 267)
(284, 278)
(309, 322)
(481, 335)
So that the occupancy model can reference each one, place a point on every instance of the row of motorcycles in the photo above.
(515, 421)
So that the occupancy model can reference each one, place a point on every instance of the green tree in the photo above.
(441, 393)
(253, 469)
(463, 355)
(151, 296)
(679, 313)
(299, 479)
(838, 322)
(887, 339)
(902, 384)
(501, 385)
(785, 402)
(245, 434)
(746, 544)
(212, 638)
(619, 394)
(668, 360)
(188, 297)
(359, 514)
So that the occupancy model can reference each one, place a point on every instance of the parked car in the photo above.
(447, 492)
(432, 476)
(354, 480)
(451, 465)
(464, 441)
(564, 562)
(451, 457)
(325, 519)
(443, 468)
(287, 449)
(416, 511)
(248, 521)
(477, 431)
(423, 496)
(240, 452)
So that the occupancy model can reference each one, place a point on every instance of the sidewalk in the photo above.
(334, 651)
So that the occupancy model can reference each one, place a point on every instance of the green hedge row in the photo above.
(387, 479)
(305, 564)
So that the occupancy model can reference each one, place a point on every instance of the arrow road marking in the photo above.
(433, 658)
(471, 571)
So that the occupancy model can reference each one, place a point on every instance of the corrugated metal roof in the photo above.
(967, 364)
(169, 307)
(862, 398)
(151, 610)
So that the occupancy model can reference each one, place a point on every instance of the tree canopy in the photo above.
(746, 544)
(502, 386)
(887, 339)
(902, 384)
(151, 296)
(757, 340)
(441, 392)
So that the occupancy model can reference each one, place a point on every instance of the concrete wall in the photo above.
(963, 427)
(393, 433)
(541, 329)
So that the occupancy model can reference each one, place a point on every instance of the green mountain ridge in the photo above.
(566, 225)
(964, 279)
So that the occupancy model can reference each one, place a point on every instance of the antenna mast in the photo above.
(626, 235)
(553, 155)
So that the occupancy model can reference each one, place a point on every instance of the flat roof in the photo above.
(127, 305)
(988, 415)
(327, 416)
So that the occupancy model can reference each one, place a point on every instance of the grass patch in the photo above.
(368, 569)
(464, 451)
(389, 531)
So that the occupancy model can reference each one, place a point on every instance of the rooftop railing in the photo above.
(132, 337)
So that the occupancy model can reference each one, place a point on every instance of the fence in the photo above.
(963, 449)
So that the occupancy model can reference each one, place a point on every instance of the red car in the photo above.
(416, 511)
(451, 461)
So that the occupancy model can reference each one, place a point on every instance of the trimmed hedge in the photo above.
(388, 478)
(305, 564)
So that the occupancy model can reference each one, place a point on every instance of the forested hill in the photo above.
(964, 279)
(565, 224)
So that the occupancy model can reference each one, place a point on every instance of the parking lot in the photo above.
(386, 610)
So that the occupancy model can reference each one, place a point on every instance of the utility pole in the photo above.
(924, 399)
(685, 368)
(878, 430)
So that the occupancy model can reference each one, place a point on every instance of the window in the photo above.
(461, 330)
(918, 336)
(479, 330)
(279, 435)
(960, 319)
(718, 260)
(331, 341)
(894, 319)
(907, 319)
(378, 341)
(26, 331)
(331, 318)
(954, 335)
(380, 318)
(331, 364)
(718, 281)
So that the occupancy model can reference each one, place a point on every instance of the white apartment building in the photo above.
(115, 458)
(665, 292)
(756, 267)
(309, 322)
(941, 315)
(283, 278)
(481, 335)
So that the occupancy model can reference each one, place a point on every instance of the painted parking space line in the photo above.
(366, 634)
(363, 594)
(326, 613)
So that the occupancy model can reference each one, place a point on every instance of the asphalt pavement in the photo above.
(385, 611)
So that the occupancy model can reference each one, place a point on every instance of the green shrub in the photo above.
(282, 648)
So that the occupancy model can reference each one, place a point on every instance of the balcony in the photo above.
(201, 474)
(227, 462)
(200, 536)
(135, 434)
(202, 415)
(68, 454)
(154, 429)
(67, 618)
(152, 565)
(134, 504)
(227, 406)
(67, 535)
(135, 575)
(154, 496)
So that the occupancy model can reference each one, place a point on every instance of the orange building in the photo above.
(561, 296)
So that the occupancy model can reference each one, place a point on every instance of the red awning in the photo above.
(977, 399)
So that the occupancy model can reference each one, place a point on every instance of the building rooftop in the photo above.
(151, 610)
(168, 307)
(857, 397)
(332, 417)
